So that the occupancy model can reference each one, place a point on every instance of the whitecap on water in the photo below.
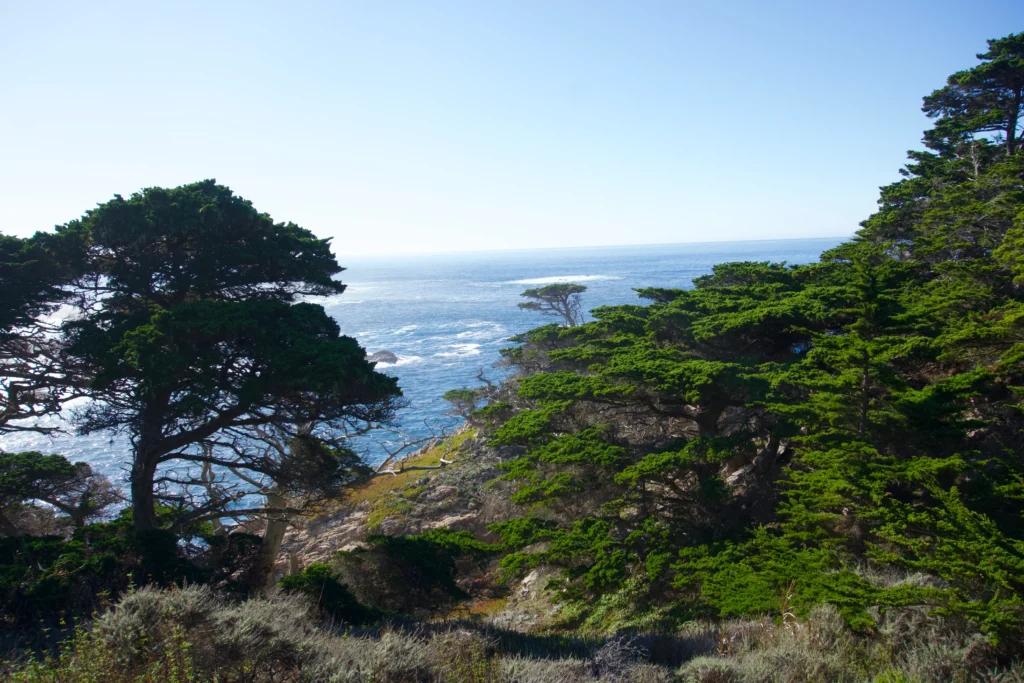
(407, 328)
(402, 360)
(460, 351)
(553, 279)
(482, 331)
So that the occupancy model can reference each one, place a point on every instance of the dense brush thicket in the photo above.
(778, 437)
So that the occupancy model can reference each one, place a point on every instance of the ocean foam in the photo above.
(461, 351)
(484, 331)
(402, 360)
(562, 278)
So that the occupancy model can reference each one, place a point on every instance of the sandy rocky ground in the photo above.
(457, 497)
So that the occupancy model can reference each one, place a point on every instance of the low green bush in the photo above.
(48, 581)
(331, 597)
(411, 574)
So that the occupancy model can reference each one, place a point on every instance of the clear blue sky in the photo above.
(436, 126)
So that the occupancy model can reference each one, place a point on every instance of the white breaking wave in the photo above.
(481, 334)
(460, 351)
(407, 328)
(562, 278)
(402, 360)
(482, 331)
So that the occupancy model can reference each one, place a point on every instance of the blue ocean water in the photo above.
(447, 315)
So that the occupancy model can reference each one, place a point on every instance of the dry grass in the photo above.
(483, 607)
(909, 645)
(189, 635)
(379, 487)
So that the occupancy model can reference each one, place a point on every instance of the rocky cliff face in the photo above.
(409, 502)
(462, 496)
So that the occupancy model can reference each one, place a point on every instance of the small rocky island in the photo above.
(382, 357)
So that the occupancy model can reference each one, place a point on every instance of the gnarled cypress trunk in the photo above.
(143, 499)
(277, 525)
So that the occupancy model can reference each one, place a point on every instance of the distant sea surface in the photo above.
(447, 315)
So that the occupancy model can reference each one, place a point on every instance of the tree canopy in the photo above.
(166, 247)
(984, 99)
(774, 436)
(560, 299)
(72, 489)
(36, 377)
(187, 338)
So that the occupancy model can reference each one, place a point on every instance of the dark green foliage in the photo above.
(46, 579)
(36, 378)
(197, 342)
(559, 386)
(458, 544)
(411, 574)
(32, 272)
(986, 98)
(522, 531)
(463, 400)
(491, 412)
(333, 599)
(201, 242)
(24, 475)
(268, 354)
(567, 464)
(528, 426)
(73, 489)
(774, 437)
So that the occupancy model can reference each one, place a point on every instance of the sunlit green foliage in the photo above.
(763, 441)
(561, 300)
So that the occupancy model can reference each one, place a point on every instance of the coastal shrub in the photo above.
(192, 634)
(463, 400)
(909, 645)
(180, 635)
(465, 657)
(527, 670)
(89, 657)
(411, 574)
(488, 415)
(330, 597)
(48, 581)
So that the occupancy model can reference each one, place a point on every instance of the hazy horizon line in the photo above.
(455, 252)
